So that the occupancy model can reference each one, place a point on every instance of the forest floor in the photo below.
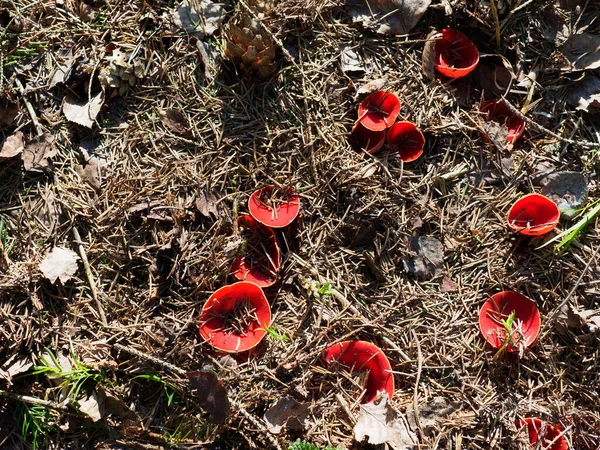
(133, 142)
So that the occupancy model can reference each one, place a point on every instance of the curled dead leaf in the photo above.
(286, 412)
(388, 16)
(83, 112)
(175, 121)
(211, 394)
(38, 153)
(12, 146)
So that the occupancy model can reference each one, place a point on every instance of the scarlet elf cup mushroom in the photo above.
(455, 55)
(540, 432)
(363, 357)
(261, 257)
(235, 318)
(273, 206)
(361, 138)
(533, 215)
(500, 331)
(379, 110)
(407, 140)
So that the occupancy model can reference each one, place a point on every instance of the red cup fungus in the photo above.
(274, 207)
(261, 259)
(525, 327)
(361, 138)
(379, 110)
(455, 55)
(406, 139)
(533, 215)
(499, 112)
(364, 357)
(235, 318)
(541, 433)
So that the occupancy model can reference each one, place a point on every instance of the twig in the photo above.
(90, 277)
(182, 373)
(418, 379)
(38, 127)
(33, 400)
(515, 111)
(496, 21)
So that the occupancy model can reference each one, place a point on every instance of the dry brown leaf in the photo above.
(37, 153)
(286, 412)
(568, 189)
(585, 93)
(379, 424)
(83, 112)
(8, 109)
(91, 170)
(428, 258)
(202, 22)
(175, 121)
(497, 133)
(92, 407)
(431, 413)
(582, 51)
(12, 146)
(208, 204)
(428, 58)
(60, 263)
(388, 16)
(371, 86)
(211, 394)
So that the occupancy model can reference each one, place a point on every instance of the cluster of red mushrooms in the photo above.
(532, 215)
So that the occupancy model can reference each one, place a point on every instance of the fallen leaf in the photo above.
(154, 210)
(87, 13)
(175, 121)
(447, 285)
(63, 70)
(431, 413)
(83, 112)
(586, 320)
(585, 93)
(371, 86)
(429, 258)
(286, 412)
(202, 22)
(388, 16)
(37, 153)
(9, 109)
(497, 133)
(12, 146)
(582, 51)
(379, 423)
(208, 204)
(351, 61)
(569, 190)
(92, 407)
(91, 169)
(553, 24)
(428, 58)
(60, 263)
(211, 394)
(12, 368)
(494, 74)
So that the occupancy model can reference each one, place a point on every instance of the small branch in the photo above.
(90, 277)
(33, 400)
(515, 111)
(38, 127)
(496, 22)
(416, 391)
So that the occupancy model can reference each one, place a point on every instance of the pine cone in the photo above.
(120, 73)
(261, 7)
(250, 48)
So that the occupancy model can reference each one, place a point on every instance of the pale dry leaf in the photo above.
(211, 394)
(91, 169)
(208, 204)
(371, 86)
(12, 146)
(60, 263)
(12, 368)
(431, 414)
(585, 93)
(379, 424)
(582, 51)
(568, 189)
(38, 152)
(63, 70)
(428, 257)
(201, 18)
(92, 407)
(286, 412)
(351, 61)
(83, 112)
(388, 16)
